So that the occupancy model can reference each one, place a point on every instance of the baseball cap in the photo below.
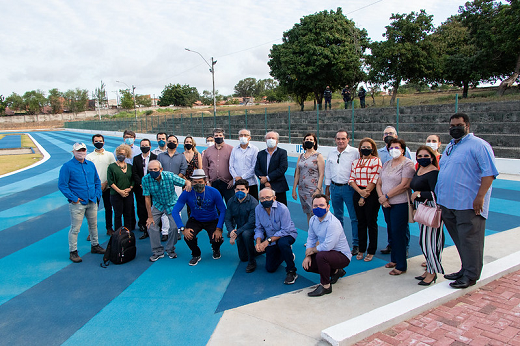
(78, 146)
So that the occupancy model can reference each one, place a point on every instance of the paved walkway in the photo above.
(488, 316)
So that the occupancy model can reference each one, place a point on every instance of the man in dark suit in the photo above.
(140, 169)
(271, 165)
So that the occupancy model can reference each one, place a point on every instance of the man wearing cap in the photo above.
(207, 212)
(160, 197)
(80, 183)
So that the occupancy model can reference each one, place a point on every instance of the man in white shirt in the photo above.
(161, 143)
(101, 159)
(243, 160)
(337, 174)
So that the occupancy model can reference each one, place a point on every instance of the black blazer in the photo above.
(137, 168)
(277, 168)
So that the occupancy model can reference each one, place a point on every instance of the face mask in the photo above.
(219, 140)
(144, 150)
(209, 144)
(129, 141)
(366, 152)
(155, 174)
(198, 187)
(120, 157)
(188, 146)
(432, 145)
(243, 140)
(172, 145)
(99, 145)
(240, 194)
(161, 143)
(319, 212)
(424, 161)
(395, 153)
(80, 155)
(388, 139)
(457, 132)
(267, 204)
(271, 143)
(308, 145)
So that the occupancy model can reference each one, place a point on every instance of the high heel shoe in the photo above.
(420, 278)
(424, 283)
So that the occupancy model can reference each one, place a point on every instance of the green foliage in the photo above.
(143, 100)
(325, 48)
(246, 88)
(55, 101)
(14, 102)
(76, 100)
(3, 105)
(407, 53)
(178, 95)
(100, 96)
(148, 112)
(127, 99)
(34, 101)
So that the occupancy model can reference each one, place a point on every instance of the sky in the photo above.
(77, 44)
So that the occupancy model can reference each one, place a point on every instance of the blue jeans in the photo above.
(396, 218)
(338, 196)
(280, 252)
(77, 212)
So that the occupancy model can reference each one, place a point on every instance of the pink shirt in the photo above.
(392, 176)
(215, 163)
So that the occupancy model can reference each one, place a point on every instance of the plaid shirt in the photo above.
(163, 191)
(365, 171)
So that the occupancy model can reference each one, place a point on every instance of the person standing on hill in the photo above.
(327, 94)
(362, 94)
(347, 98)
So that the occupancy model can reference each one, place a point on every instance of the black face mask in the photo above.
(424, 161)
(99, 145)
(366, 152)
(188, 146)
(308, 145)
(388, 139)
(219, 140)
(172, 145)
(457, 132)
(144, 150)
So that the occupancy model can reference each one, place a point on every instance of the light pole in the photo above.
(212, 70)
(133, 94)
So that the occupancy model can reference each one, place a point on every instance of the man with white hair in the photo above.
(271, 165)
(243, 160)
(80, 183)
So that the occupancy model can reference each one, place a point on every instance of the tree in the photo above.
(246, 87)
(76, 101)
(207, 97)
(34, 101)
(14, 102)
(127, 99)
(100, 95)
(325, 48)
(178, 95)
(406, 55)
(3, 105)
(143, 100)
(55, 101)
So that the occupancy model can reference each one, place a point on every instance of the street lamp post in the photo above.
(212, 70)
(133, 94)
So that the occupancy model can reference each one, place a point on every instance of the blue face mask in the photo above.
(240, 194)
(319, 212)
(129, 141)
(155, 174)
(161, 143)
(267, 204)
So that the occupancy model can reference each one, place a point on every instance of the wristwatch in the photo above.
(181, 229)
(269, 240)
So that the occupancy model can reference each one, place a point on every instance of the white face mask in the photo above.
(209, 144)
(271, 143)
(243, 140)
(80, 155)
(432, 145)
(395, 153)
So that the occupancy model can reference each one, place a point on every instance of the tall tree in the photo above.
(14, 102)
(178, 95)
(143, 100)
(100, 95)
(34, 101)
(246, 87)
(3, 105)
(76, 100)
(127, 99)
(325, 48)
(406, 54)
(55, 101)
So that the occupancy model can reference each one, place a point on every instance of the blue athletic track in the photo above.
(47, 300)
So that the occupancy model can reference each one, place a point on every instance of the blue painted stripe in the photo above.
(11, 142)
(29, 183)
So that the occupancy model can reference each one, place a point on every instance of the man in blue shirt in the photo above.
(207, 212)
(79, 182)
(240, 222)
(467, 170)
(274, 234)
(332, 254)
(160, 197)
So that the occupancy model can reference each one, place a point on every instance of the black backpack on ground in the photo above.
(121, 247)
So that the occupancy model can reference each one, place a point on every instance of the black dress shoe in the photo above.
(386, 250)
(335, 277)
(453, 276)
(463, 283)
(144, 236)
(319, 291)
(164, 237)
(420, 278)
(424, 283)
(142, 228)
(250, 267)
(355, 250)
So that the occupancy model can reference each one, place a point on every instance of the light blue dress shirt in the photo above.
(276, 224)
(329, 233)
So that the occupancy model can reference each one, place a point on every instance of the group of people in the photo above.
(347, 97)
(245, 189)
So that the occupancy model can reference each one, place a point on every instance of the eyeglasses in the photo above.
(268, 198)
(449, 149)
(199, 201)
(339, 155)
(423, 156)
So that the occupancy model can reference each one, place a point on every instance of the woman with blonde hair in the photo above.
(192, 156)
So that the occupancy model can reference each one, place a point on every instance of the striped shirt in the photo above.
(162, 191)
(365, 171)
(462, 167)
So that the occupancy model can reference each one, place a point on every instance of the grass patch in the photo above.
(10, 163)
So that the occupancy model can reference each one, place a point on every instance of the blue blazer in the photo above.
(277, 168)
